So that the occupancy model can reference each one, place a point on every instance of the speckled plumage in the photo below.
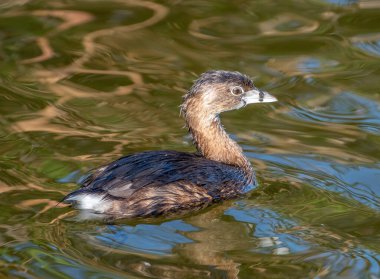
(159, 182)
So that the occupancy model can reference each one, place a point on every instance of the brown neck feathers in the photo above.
(213, 142)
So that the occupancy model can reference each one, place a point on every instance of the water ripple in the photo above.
(151, 239)
(288, 24)
(358, 182)
(345, 108)
(282, 236)
(369, 44)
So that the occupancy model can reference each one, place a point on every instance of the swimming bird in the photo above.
(155, 183)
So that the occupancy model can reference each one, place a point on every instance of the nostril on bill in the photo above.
(261, 96)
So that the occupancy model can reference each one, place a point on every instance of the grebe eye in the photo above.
(237, 90)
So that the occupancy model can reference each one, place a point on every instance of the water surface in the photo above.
(84, 82)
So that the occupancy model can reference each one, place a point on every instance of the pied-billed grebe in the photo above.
(154, 183)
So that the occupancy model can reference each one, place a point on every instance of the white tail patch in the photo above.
(93, 202)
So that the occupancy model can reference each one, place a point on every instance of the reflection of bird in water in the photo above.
(154, 183)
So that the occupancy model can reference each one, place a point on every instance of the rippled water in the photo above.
(83, 82)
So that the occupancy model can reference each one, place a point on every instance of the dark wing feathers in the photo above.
(126, 175)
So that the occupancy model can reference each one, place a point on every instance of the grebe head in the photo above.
(218, 91)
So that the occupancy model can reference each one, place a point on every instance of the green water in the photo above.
(84, 82)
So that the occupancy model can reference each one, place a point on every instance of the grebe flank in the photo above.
(154, 183)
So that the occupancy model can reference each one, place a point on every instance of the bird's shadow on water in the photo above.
(187, 237)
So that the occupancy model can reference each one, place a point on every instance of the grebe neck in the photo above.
(212, 141)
